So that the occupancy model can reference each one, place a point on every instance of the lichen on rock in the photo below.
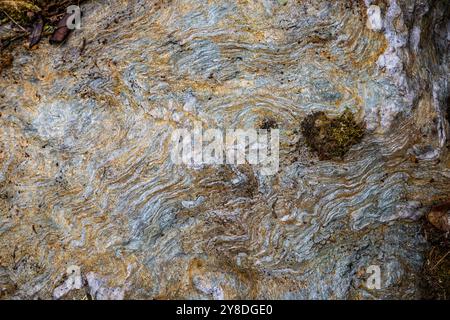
(331, 138)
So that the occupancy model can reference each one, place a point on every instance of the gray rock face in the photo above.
(86, 177)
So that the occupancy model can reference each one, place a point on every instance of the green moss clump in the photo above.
(18, 10)
(268, 124)
(331, 138)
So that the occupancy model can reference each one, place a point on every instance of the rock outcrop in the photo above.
(86, 177)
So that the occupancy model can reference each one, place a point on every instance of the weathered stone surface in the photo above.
(374, 19)
(86, 177)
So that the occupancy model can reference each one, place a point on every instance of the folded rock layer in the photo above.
(86, 177)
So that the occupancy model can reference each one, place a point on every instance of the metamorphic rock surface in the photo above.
(91, 203)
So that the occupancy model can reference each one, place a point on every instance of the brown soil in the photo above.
(435, 281)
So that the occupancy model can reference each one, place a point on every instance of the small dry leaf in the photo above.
(36, 34)
(439, 217)
(62, 31)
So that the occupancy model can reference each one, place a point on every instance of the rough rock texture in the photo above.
(86, 179)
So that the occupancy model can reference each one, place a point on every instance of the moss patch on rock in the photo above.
(268, 124)
(18, 11)
(331, 138)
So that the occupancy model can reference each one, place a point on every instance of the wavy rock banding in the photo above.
(86, 177)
